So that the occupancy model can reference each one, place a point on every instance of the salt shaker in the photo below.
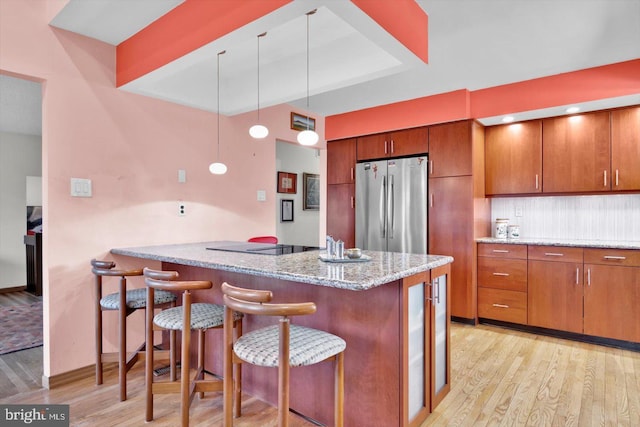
(339, 249)
(331, 247)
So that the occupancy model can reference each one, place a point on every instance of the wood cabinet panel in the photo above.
(620, 257)
(407, 142)
(500, 273)
(513, 158)
(502, 250)
(341, 161)
(625, 149)
(341, 214)
(576, 153)
(498, 304)
(450, 149)
(451, 233)
(612, 302)
(556, 253)
(555, 295)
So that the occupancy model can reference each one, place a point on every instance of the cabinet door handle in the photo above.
(428, 297)
(352, 177)
(589, 276)
(553, 254)
(431, 200)
(353, 202)
(430, 167)
(605, 178)
(621, 258)
(385, 147)
(501, 274)
(577, 275)
(501, 305)
(616, 177)
(392, 147)
(501, 251)
(537, 186)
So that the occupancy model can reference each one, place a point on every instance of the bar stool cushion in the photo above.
(307, 346)
(136, 298)
(203, 316)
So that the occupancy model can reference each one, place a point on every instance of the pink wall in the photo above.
(131, 147)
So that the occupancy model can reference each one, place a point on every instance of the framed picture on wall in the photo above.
(287, 182)
(300, 122)
(311, 192)
(286, 210)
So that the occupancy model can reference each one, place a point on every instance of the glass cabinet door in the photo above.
(440, 329)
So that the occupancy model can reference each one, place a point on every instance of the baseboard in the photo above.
(13, 289)
(72, 376)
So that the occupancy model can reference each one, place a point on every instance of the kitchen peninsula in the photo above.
(392, 311)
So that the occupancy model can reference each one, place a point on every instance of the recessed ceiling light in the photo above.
(572, 110)
(507, 119)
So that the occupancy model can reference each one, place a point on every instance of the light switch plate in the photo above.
(262, 195)
(81, 187)
(182, 176)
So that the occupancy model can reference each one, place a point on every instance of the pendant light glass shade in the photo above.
(259, 131)
(217, 167)
(308, 137)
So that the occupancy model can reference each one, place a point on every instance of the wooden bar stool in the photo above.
(281, 346)
(125, 302)
(185, 318)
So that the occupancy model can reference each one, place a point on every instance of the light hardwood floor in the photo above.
(499, 377)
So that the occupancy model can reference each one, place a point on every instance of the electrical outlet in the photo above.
(518, 211)
(181, 209)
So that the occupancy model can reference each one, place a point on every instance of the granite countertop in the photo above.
(305, 267)
(606, 244)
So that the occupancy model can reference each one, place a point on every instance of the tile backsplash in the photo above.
(610, 217)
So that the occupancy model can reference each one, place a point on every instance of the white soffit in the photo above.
(20, 106)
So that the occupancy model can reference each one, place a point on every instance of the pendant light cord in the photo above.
(308, 14)
(259, 37)
(218, 108)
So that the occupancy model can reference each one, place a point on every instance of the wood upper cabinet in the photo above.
(513, 158)
(576, 153)
(393, 144)
(450, 149)
(612, 293)
(341, 213)
(341, 161)
(625, 149)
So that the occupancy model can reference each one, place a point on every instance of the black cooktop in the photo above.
(260, 248)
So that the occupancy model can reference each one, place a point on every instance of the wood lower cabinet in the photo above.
(513, 158)
(426, 348)
(341, 213)
(502, 282)
(576, 153)
(612, 294)
(392, 144)
(625, 149)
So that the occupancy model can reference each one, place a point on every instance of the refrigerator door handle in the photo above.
(383, 203)
(391, 208)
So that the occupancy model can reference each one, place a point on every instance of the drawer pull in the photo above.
(615, 257)
(501, 305)
(500, 274)
(501, 251)
(552, 254)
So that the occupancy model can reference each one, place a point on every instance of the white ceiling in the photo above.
(354, 64)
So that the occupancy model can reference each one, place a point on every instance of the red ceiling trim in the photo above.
(187, 27)
(439, 108)
(403, 19)
(607, 81)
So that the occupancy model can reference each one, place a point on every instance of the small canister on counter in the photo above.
(339, 249)
(501, 228)
(513, 231)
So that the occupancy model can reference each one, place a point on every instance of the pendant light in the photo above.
(259, 131)
(308, 137)
(218, 168)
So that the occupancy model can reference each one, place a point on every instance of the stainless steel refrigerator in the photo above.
(391, 205)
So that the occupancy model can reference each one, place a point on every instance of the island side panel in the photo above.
(369, 321)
